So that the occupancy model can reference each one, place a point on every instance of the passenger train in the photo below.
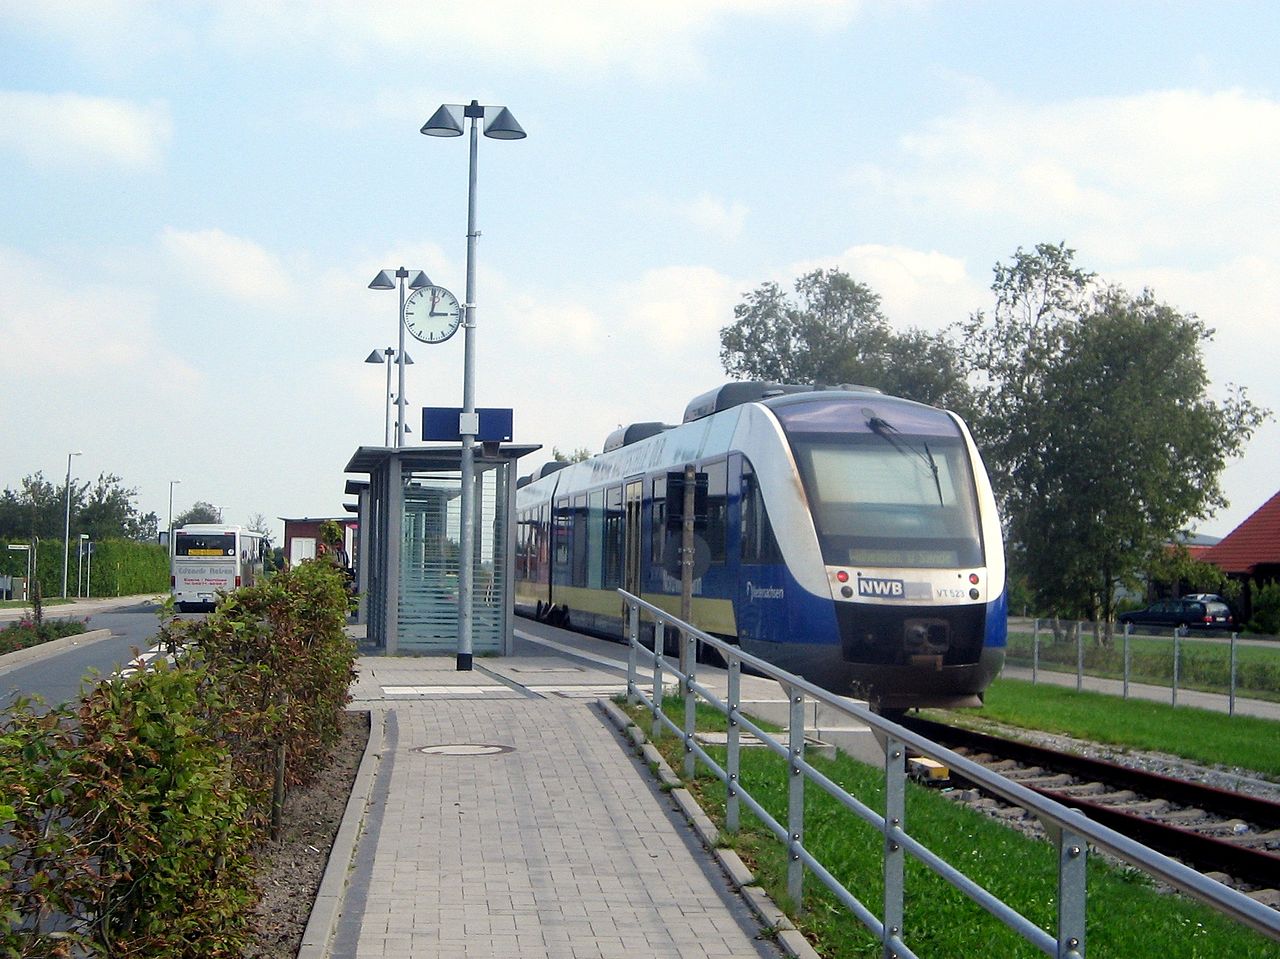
(848, 536)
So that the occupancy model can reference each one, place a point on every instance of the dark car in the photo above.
(1192, 613)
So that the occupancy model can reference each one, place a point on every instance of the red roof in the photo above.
(1255, 542)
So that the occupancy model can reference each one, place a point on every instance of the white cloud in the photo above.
(916, 288)
(720, 218)
(231, 265)
(70, 130)
(1122, 176)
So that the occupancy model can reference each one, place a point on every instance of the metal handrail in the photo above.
(1072, 831)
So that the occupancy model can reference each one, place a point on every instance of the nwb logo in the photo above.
(891, 588)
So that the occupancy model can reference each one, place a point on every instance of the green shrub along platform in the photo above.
(128, 822)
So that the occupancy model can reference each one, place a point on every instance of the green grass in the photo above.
(19, 603)
(1203, 664)
(1200, 735)
(1127, 918)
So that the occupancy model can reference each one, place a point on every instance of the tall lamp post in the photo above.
(66, 530)
(445, 122)
(172, 484)
(391, 359)
(383, 281)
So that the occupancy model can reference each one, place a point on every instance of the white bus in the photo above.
(209, 558)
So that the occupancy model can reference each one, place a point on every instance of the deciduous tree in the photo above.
(1096, 424)
(833, 332)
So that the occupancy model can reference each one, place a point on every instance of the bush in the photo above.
(168, 817)
(1266, 610)
(127, 826)
(283, 665)
(27, 632)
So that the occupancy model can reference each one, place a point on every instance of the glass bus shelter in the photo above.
(410, 524)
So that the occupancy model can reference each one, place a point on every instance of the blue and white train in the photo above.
(848, 536)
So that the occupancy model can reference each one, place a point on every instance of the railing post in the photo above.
(1035, 651)
(895, 793)
(1072, 895)
(1079, 657)
(1231, 690)
(633, 634)
(1128, 628)
(689, 656)
(1177, 662)
(733, 745)
(659, 643)
(795, 798)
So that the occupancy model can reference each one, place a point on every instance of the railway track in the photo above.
(1234, 837)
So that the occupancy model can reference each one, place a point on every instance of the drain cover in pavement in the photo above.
(465, 749)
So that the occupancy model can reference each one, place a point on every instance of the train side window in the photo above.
(758, 542)
(561, 532)
(595, 539)
(613, 522)
(658, 520)
(717, 508)
(581, 537)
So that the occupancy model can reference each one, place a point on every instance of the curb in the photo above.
(22, 657)
(333, 886)
(790, 939)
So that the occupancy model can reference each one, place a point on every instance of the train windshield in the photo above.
(884, 495)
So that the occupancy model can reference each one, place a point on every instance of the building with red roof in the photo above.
(1251, 551)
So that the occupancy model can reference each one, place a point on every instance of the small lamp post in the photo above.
(66, 530)
(384, 281)
(80, 562)
(391, 359)
(172, 484)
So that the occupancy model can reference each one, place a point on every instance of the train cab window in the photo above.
(758, 542)
(658, 520)
(613, 522)
(717, 508)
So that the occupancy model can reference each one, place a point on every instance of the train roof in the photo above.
(735, 394)
(626, 435)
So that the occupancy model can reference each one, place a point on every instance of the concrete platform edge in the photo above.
(331, 896)
(792, 942)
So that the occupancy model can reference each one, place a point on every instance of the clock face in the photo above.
(432, 314)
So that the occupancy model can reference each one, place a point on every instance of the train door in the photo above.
(632, 537)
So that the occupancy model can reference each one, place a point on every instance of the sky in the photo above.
(196, 195)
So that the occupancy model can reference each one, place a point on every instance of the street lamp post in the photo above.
(66, 530)
(383, 281)
(80, 563)
(172, 484)
(503, 126)
(391, 358)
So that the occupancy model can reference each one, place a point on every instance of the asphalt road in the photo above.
(58, 677)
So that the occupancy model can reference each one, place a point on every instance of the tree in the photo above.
(104, 510)
(200, 512)
(1096, 426)
(834, 332)
(577, 456)
(108, 512)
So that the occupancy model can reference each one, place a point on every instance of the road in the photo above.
(57, 678)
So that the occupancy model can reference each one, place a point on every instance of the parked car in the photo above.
(1192, 613)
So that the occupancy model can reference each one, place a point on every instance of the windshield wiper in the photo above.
(890, 433)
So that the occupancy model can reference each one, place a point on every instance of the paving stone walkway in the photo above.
(539, 835)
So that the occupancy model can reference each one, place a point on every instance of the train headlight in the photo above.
(973, 594)
(973, 578)
(842, 576)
